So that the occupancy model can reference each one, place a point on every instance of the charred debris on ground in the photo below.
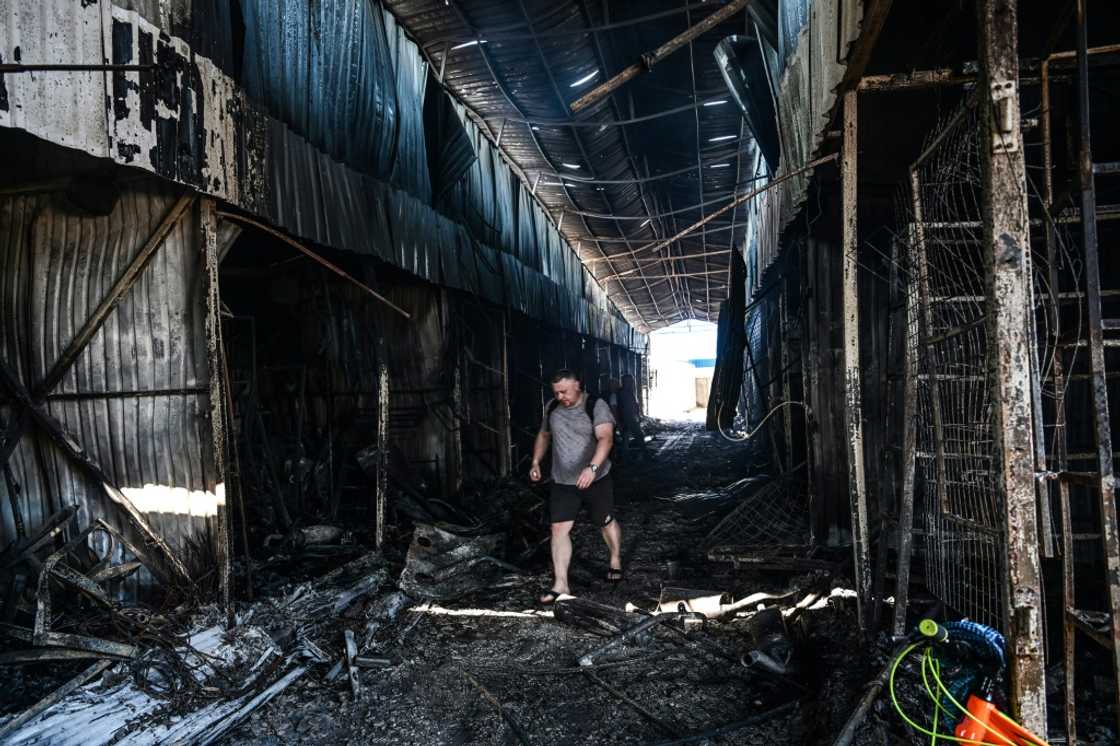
(437, 637)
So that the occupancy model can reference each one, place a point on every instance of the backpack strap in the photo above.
(548, 410)
(589, 407)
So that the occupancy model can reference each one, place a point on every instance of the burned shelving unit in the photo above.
(304, 347)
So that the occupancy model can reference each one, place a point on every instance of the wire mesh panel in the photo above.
(956, 488)
(767, 520)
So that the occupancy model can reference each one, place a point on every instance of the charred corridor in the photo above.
(490, 666)
(284, 287)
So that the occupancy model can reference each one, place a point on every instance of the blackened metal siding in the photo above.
(136, 399)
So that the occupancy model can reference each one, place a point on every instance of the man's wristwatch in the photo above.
(593, 467)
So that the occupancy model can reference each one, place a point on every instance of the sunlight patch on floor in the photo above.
(443, 611)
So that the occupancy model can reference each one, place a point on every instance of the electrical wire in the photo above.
(751, 434)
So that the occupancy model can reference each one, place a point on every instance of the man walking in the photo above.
(580, 430)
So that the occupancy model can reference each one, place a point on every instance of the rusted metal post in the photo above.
(909, 446)
(787, 419)
(208, 229)
(1110, 541)
(505, 458)
(1007, 242)
(381, 487)
(853, 405)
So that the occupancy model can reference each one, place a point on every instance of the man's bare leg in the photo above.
(561, 555)
(612, 534)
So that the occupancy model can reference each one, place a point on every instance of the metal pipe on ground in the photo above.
(588, 659)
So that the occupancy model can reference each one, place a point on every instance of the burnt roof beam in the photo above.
(700, 172)
(651, 58)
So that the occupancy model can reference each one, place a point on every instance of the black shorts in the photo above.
(565, 501)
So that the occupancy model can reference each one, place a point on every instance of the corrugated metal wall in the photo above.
(136, 399)
(410, 171)
(191, 122)
(334, 73)
(814, 34)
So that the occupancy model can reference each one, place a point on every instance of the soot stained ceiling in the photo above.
(660, 153)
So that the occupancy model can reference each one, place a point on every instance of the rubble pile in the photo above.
(437, 637)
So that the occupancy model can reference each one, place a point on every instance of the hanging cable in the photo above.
(748, 436)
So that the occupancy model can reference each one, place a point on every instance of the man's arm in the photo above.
(604, 440)
(540, 448)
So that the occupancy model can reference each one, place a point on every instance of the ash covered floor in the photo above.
(494, 667)
(487, 665)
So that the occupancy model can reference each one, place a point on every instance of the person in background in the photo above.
(613, 387)
(630, 416)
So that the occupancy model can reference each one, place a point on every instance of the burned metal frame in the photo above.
(1104, 480)
(1006, 214)
(853, 409)
(51, 645)
(1007, 240)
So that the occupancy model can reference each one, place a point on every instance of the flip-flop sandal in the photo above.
(552, 597)
(614, 575)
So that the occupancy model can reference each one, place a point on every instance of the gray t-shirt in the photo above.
(573, 439)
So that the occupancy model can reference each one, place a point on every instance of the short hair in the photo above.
(563, 373)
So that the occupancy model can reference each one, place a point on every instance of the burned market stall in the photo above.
(327, 350)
